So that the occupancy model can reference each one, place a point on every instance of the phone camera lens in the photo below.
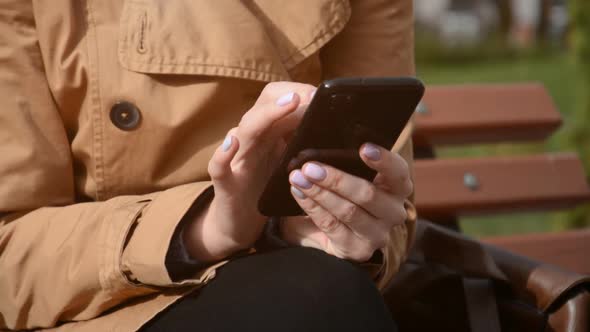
(340, 101)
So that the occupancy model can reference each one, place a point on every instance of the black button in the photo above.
(125, 115)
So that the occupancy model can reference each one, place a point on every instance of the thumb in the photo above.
(219, 167)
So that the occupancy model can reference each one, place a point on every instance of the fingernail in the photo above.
(298, 193)
(314, 171)
(286, 99)
(312, 94)
(299, 180)
(372, 152)
(226, 143)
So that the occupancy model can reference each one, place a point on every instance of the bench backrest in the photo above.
(451, 187)
(470, 114)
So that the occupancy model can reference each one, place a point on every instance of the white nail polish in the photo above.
(286, 99)
(226, 143)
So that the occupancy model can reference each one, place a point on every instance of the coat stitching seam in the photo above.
(96, 105)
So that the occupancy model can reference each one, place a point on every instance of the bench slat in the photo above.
(467, 114)
(506, 184)
(568, 250)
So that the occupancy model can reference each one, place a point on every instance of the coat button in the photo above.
(125, 115)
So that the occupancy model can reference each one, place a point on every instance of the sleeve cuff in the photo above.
(271, 237)
(144, 257)
(179, 264)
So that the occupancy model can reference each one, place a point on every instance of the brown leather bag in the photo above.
(453, 283)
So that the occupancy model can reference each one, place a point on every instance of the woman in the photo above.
(113, 112)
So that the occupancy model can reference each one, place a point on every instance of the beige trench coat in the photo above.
(91, 190)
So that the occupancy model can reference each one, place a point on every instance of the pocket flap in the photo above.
(259, 40)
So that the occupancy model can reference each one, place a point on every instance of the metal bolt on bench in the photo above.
(470, 181)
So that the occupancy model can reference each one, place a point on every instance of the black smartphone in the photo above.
(343, 114)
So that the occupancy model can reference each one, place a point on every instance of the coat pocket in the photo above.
(260, 40)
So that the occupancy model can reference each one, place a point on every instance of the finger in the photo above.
(334, 230)
(363, 193)
(339, 240)
(257, 121)
(394, 171)
(286, 126)
(232, 132)
(219, 167)
(365, 226)
(274, 90)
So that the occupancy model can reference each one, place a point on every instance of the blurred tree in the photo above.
(580, 136)
(543, 28)
(505, 14)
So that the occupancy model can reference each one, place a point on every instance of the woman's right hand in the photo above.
(240, 169)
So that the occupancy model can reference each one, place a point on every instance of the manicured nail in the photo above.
(286, 99)
(372, 152)
(299, 180)
(226, 143)
(298, 193)
(314, 171)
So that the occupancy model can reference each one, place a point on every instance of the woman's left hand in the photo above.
(347, 216)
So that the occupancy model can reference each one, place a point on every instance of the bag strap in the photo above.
(480, 303)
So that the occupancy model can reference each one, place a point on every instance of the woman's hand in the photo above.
(240, 169)
(349, 217)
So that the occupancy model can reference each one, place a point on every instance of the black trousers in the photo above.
(294, 289)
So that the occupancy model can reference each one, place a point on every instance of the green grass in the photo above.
(563, 79)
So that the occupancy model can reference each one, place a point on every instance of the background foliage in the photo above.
(580, 133)
(564, 69)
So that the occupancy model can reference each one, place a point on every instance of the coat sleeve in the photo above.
(66, 261)
(378, 40)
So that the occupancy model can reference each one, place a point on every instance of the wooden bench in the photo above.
(449, 188)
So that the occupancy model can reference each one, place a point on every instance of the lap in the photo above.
(288, 290)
